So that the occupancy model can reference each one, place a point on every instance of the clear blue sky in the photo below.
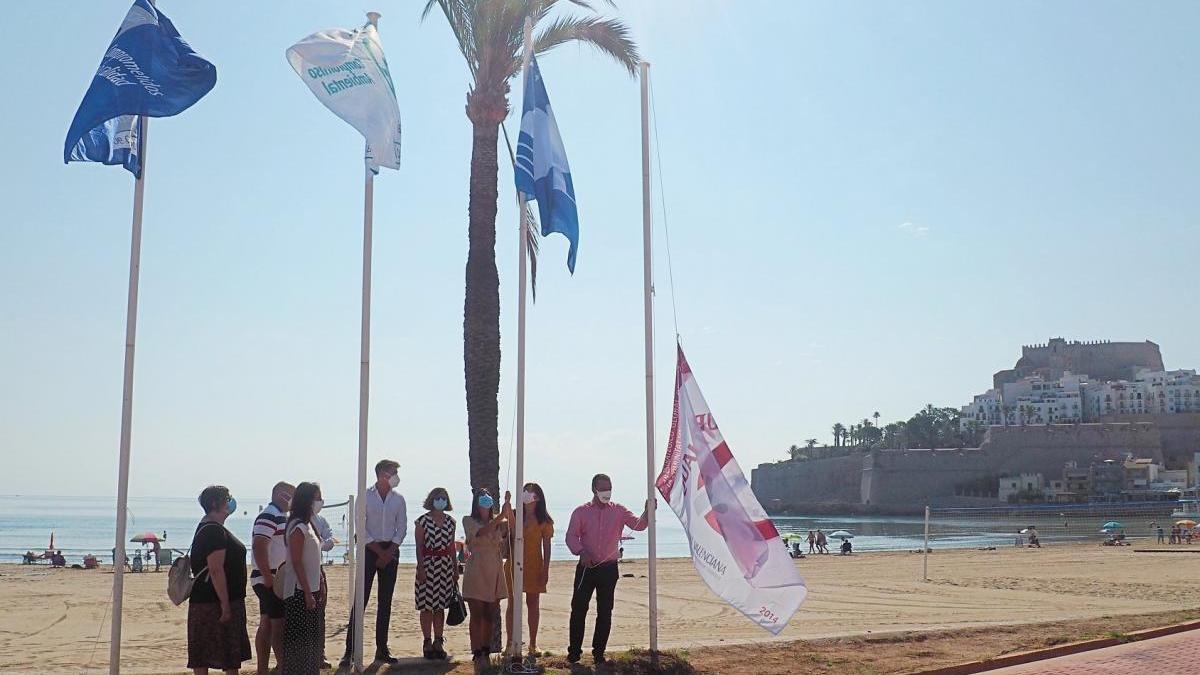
(872, 207)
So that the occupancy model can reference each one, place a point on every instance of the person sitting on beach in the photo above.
(594, 535)
(57, 560)
(1034, 542)
(847, 547)
(216, 621)
(812, 542)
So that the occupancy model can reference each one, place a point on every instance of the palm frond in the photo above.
(609, 36)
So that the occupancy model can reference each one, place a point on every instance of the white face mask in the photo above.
(529, 497)
(394, 480)
(604, 496)
(317, 504)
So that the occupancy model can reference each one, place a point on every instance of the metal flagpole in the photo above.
(353, 571)
(364, 386)
(648, 291)
(131, 307)
(518, 555)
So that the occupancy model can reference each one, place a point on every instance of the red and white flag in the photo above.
(735, 546)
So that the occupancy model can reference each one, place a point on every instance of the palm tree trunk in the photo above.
(481, 311)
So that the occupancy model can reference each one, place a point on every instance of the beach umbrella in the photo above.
(1186, 523)
(146, 538)
(841, 534)
(1113, 525)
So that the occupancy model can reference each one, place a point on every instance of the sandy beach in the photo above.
(57, 620)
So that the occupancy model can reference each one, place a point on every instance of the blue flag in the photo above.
(542, 172)
(148, 70)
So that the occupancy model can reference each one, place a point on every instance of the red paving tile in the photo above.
(1171, 655)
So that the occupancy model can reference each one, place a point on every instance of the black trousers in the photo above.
(383, 619)
(601, 580)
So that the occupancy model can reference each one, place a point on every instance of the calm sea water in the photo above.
(84, 525)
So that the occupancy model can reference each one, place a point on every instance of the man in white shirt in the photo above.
(387, 525)
(267, 543)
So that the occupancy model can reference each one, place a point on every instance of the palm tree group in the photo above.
(490, 36)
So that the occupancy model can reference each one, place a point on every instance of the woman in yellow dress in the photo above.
(539, 530)
(483, 583)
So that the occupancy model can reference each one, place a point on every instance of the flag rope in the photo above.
(662, 201)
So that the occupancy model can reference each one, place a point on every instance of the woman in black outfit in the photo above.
(216, 628)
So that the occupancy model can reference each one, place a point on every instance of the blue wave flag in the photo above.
(148, 70)
(542, 172)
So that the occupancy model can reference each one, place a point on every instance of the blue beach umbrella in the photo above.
(1113, 525)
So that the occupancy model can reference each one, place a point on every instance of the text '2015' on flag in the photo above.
(149, 69)
(347, 71)
(735, 546)
(542, 173)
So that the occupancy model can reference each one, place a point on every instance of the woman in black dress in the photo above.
(216, 627)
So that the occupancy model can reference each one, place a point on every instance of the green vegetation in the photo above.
(930, 427)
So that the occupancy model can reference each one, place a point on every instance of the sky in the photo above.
(871, 207)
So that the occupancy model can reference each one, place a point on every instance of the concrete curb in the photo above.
(1060, 650)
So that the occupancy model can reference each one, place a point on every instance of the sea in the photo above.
(83, 525)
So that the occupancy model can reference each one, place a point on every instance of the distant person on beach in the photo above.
(437, 570)
(156, 548)
(538, 529)
(812, 542)
(1162, 537)
(1034, 542)
(483, 585)
(301, 637)
(822, 542)
(270, 550)
(216, 623)
(847, 547)
(595, 536)
(387, 525)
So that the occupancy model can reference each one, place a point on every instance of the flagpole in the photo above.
(131, 307)
(364, 387)
(648, 316)
(518, 553)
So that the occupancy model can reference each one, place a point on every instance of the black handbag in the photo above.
(458, 609)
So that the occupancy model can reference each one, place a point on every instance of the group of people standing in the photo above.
(289, 534)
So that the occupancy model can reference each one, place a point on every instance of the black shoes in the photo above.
(573, 657)
(386, 657)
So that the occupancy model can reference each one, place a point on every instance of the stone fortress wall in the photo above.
(1099, 360)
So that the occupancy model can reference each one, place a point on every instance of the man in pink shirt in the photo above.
(595, 536)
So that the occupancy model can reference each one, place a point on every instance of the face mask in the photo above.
(394, 480)
(232, 505)
(529, 497)
(604, 496)
(487, 502)
(317, 504)
(439, 504)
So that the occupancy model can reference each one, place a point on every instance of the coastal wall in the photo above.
(1180, 433)
(888, 480)
(786, 485)
(891, 477)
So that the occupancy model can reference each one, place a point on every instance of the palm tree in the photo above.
(810, 443)
(839, 431)
(490, 34)
(875, 415)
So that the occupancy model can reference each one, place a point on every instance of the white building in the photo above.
(1073, 398)
(1030, 483)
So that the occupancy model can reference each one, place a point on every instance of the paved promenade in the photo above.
(1177, 654)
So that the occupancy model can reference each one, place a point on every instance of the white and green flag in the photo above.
(347, 71)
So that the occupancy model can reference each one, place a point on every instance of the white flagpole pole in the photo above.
(648, 311)
(131, 307)
(364, 388)
(518, 555)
